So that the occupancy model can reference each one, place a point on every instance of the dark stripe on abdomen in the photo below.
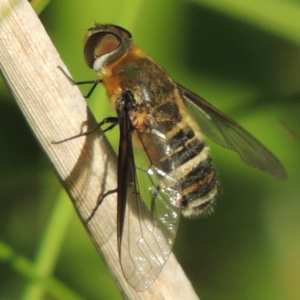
(198, 182)
(186, 153)
(185, 146)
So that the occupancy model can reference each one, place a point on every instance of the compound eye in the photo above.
(99, 44)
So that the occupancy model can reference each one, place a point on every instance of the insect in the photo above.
(167, 123)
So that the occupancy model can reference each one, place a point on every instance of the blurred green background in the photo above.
(242, 56)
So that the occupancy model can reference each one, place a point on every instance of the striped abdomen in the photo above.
(177, 148)
(193, 168)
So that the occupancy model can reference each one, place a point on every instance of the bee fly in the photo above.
(155, 113)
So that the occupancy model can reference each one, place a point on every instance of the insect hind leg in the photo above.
(100, 200)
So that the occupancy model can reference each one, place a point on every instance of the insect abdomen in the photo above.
(192, 167)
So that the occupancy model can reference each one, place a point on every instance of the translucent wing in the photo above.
(147, 217)
(147, 237)
(227, 133)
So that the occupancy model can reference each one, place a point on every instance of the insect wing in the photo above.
(147, 220)
(147, 239)
(227, 133)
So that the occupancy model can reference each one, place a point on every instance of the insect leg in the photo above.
(94, 82)
(112, 120)
(100, 199)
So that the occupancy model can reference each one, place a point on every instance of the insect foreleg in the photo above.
(94, 82)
